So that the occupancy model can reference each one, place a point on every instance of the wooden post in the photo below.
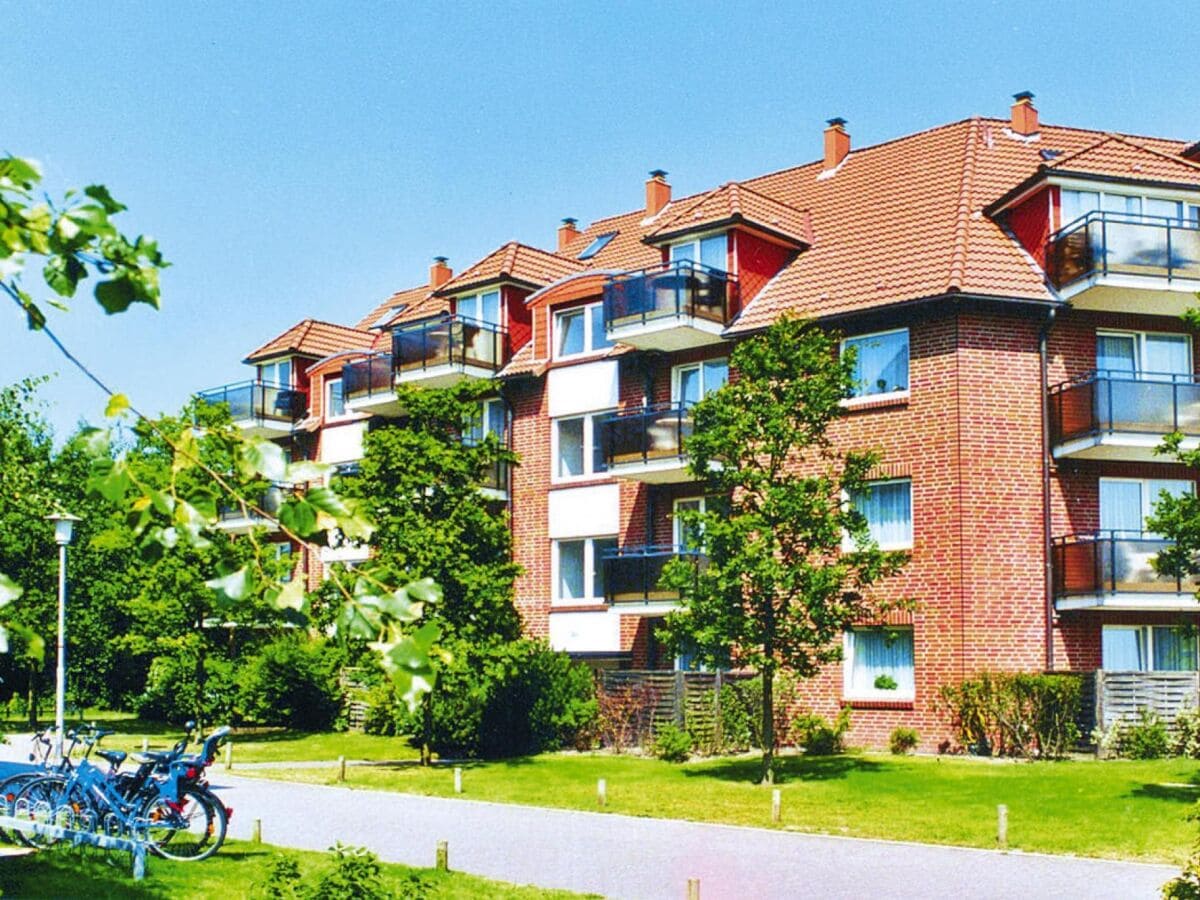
(443, 856)
(256, 832)
(145, 744)
(1002, 826)
(341, 768)
(693, 890)
(776, 805)
(228, 757)
(1098, 700)
(680, 689)
(718, 731)
(457, 780)
(601, 792)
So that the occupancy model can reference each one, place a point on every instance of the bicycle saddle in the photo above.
(113, 757)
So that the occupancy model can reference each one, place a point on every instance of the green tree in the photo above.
(779, 586)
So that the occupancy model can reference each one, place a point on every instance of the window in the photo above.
(577, 450)
(580, 330)
(490, 418)
(1147, 648)
(481, 308)
(887, 507)
(579, 569)
(879, 664)
(708, 251)
(691, 382)
(284, 552)
(1126, 503)
(335, 402)
(597, 245)
(278, 373)
(688, 537)
(1076, 204)
(880, 362)
(1144, 355)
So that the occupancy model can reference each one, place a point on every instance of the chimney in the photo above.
(658, 192)
(567, 232)
(439, 272)
(1024, 116)
(837, 143)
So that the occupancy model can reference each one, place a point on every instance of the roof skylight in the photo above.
(597, 245)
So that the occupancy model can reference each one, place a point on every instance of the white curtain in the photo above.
(881, 363)
(888, 510)
(879, 652)
(1124, 650)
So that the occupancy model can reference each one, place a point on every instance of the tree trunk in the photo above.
(32, 699)
(768, 725)
(427, 730)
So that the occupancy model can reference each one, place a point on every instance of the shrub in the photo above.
(1014, 714)
(356, 873)
(289, 682)
(283, 881)
(626, 715)
(672, 743)
(735, 721)
(818, 737)
(746, 699)
(1187, 733)
(174, 691)
(506, 700)
(383, 714)
(1148, 738)
(903, 740)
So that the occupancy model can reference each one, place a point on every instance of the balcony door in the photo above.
(1144, 355)
(1126, 503)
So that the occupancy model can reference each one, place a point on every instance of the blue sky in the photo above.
(308, 159)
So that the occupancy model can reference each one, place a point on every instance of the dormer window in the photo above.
(596, 246)
(708, 251)
(277, 372)
(579, 331)
(482, 308)
(1076, 204)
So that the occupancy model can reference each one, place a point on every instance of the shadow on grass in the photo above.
(514, 762)
(788, 768)
(1177, 792)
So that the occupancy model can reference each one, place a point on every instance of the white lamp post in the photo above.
(64, 525)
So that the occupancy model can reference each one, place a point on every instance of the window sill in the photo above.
(575, 606)
(574, 358)
(581, 481)
(878, 703)
(875, 401)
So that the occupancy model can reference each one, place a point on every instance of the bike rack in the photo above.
(103, 841)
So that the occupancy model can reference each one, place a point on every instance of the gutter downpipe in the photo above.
(1047, 535)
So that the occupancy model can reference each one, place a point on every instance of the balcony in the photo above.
(260, 409)
(674, 306)
(1118, 416)
(446, 351)
(1115, 570)
(232, 519)
(646, 444)
(1126, 263)
(632, 574)
(368, 386)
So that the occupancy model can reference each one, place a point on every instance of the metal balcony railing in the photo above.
(449, 341)
(259, 401)
(368, 378)
(671, 290)
(1114, 243)
(646, 434)
(633, 573)
(1108, 402)
(1110, 562)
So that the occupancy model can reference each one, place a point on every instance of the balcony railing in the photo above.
(259, 401)
(231, 517)
(368, 378)
(1113, 243)
(645, 435)
(1116, 402)
(681, 289)
(449, 341)
(1111, 562)
(634, 573)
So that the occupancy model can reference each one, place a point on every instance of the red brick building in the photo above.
(1013, 290)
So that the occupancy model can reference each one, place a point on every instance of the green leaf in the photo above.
(116, 295)
(100, 194)
(117, 404)
(425, 590)
(63, 274)
(326, 501)
(291, 596)
(23, 173)
(235, 586)
(356, 621)
(265, 458)
(306, 470)
(9, 590)
(109, 479)
(298, 516)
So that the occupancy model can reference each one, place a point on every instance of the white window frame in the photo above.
(896, 394)
(1148, 499)
(848, 541)
(478, 298)
(589, 335)
(1148, 631)
(676, 524)
(1140, 338)
(326, 388)
(694, 243)
(484, 407)
(1188, 201)
(273, 368)
(900, 694)
(591, 561)
(589, 448)
(705, 390)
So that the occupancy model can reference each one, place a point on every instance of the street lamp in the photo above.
(64, 525)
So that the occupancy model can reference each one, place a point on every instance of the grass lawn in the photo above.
(238, 870)
(1119, 808)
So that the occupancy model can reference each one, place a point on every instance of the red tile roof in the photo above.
(313, 338)
(405, 305)
(512, 262)
(1116, 155)
(733, 203)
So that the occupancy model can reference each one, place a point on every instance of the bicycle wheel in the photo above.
(9, 788)
(190, 830)
(44, 801)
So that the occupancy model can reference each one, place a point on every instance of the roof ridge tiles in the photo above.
(958, 256)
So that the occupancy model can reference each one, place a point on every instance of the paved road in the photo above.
(626, 857)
